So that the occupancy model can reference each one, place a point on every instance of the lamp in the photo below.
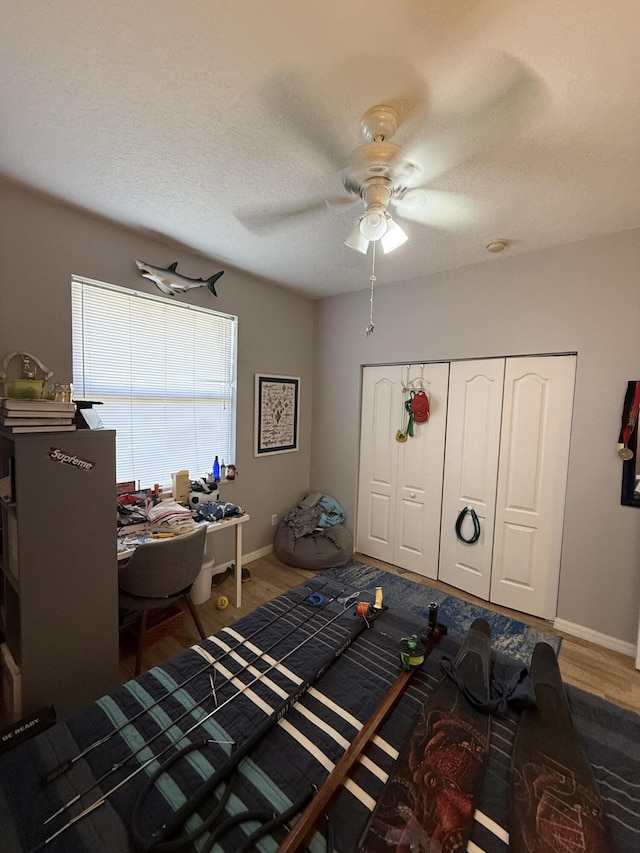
(373, 224)
(376, 224)
(393, 237)
(356, 241)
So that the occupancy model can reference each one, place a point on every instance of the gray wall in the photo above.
(584, 297)
(43, 243)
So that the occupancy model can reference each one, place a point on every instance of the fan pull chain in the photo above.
(372, 279)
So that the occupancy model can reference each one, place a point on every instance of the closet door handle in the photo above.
(476, 526)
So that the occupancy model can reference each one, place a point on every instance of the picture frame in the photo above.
(277, 414)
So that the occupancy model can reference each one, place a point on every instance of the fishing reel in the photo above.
(412, 652)
(366, 609)
(414, 649)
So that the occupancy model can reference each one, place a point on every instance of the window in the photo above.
(165, 373)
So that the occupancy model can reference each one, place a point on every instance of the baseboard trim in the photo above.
(595, 637)
(246, 558)
(256, 555)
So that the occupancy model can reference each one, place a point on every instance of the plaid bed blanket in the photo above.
(220, 692)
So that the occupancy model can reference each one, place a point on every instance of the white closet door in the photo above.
(470, 476)
(380, 419)
(400, 484)
(534, 457)
(420, 472)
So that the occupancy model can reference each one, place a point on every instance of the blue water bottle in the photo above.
(216, 470)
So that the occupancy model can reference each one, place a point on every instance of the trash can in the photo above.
(201, 589)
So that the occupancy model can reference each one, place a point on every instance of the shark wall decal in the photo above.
(171, 282)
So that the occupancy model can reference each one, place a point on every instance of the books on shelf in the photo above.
(36, 415)
(52, 415)
(65, 428)
(32, 406)
(7, 421)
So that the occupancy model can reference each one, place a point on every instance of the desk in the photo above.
(126, 548)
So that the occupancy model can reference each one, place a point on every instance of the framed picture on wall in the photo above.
(277, 414)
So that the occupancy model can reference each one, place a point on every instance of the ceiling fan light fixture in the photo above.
(394, 237)
(356, 241)
(373, 224)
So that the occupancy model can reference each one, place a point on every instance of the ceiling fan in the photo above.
(381, 174)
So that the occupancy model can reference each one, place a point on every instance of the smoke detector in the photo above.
(497, 245)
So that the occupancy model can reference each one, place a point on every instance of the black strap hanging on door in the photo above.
(476, 526)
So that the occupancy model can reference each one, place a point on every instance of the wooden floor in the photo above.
(595, 669)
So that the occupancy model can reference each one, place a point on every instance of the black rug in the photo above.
(298, 750)
(508, 636)
(609, 735)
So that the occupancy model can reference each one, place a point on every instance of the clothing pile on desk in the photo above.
(132, 508)
(217, 511)
(168, 516)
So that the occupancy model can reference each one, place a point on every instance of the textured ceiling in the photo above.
(206, 121)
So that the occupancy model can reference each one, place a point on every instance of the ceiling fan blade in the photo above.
(436, 208)
(506, 102)
(286, 96)
(268, 221)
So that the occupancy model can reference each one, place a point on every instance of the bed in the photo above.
(223, 691)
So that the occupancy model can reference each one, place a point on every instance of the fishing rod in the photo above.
(102, 799)
(65, 766)
(161, 840)
(119, 765)
(412, 657)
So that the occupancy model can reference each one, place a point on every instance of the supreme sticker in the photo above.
(60, 456)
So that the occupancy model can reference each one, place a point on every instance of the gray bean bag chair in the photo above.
(322, 549)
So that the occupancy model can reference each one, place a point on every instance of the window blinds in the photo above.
(165, 373)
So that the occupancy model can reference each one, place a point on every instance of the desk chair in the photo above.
(159, 573)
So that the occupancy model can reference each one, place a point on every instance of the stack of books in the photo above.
(37, 415)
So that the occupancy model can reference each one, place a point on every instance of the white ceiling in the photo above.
(184, 119)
